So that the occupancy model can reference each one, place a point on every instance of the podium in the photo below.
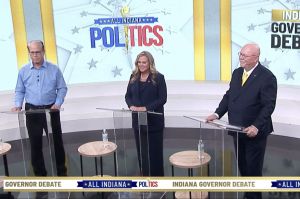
(216, 136)
(216, 145)
(26, 144)
(48, 140)
(131, 136)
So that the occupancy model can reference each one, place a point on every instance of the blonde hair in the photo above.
(136, 72)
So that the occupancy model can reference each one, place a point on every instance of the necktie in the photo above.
(244, 78)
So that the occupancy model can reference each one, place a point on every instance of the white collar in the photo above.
(250, 71)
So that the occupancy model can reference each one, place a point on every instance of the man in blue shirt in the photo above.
(42, 85)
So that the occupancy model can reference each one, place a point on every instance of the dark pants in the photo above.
(250, 156)
(36, 123)
(150, 151)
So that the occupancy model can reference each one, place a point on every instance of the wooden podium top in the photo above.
(4, 148)
(189, 159)
(97, 148)
(186, 195)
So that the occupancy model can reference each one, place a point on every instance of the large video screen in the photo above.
(9, 68)
(254, 21)
(98, 41)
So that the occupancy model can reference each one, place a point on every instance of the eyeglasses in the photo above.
(35, 52)
(246, 56)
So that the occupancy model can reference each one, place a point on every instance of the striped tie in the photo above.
(244, 78)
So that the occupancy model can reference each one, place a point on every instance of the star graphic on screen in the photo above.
(261, 11)
(103, 48)
(162, 50)
(114, 2)
(268, 29)
(97, 2)
(279, 184)
(170, 30)
(279, 49)
(110, 2)
(83, 13)
(289, 74)
(77, 49)
(165, 12)
(251, 27)
(75, 30)
(117, 71)
(92, 64)
(266, 63)
(296, 4)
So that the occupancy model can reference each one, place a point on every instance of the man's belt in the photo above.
(33, 107)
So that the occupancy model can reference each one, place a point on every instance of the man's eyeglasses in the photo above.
(35, 52)
(245, 56)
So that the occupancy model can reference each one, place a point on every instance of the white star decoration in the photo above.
(77, 49)
(290, 74)
(116, 71)
(266, 63)
(75, 30)
(251, 27)
(92, 64)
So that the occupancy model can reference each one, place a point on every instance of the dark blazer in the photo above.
(152, 95)
(253, 103)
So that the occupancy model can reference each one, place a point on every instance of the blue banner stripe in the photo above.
(106, 184)
(125, 20)
(286, 184)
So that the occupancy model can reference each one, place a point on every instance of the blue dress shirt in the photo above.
(43, 86)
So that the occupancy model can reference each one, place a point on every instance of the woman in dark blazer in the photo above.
(147, 91)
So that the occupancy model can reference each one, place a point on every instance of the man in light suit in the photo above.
(250, 102)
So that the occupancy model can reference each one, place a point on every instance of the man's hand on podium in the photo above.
(138, 108)
(16, 109)
(211, 118)
(251, 131)
(55, 107)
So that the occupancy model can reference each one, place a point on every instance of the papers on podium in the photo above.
(218, 123)
(227, 126)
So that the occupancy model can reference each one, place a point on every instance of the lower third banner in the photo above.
(128, 184)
